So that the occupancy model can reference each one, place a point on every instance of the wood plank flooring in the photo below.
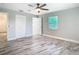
(40, 45)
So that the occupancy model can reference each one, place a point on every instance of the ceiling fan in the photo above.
(39, 7)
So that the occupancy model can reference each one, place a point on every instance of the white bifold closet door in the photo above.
(36, 26)
(20, 26)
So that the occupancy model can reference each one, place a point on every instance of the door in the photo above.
(20, 26)
(36, 26)
(3, 30)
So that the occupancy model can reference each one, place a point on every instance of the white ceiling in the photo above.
(51, 6)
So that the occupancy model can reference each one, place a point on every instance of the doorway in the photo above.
(36, 26)
(3, 30)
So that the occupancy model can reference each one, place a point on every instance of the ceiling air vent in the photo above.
(21, 10)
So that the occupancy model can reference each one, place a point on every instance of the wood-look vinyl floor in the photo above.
(40, 45)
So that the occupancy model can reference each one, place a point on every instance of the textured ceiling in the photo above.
(23, 7)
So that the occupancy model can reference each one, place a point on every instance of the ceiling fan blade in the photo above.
(44, 9)
(43, 5)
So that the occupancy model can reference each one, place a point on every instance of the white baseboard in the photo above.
(9, 39)
(61, 38)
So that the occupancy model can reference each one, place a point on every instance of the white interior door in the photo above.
(3, 22)
(3, 30)
(20, 26)
(36, 25)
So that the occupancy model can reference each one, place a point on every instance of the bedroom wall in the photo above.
(68, 26)
(11, 23)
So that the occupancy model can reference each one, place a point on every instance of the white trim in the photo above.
(61, 38)
(9, 39)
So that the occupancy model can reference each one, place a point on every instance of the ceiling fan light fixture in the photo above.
(37, 9)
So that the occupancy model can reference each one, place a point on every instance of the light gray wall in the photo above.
(68, 24)
(11, 22)
(29, 25)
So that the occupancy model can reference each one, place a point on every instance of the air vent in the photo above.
(21, 10)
